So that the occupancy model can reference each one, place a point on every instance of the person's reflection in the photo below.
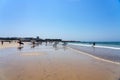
(64, 47)
(38, 43)
(93, 48)
(20, 48)
(33, 46)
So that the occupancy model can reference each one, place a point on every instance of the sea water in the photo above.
(109, 45)
(105, 50)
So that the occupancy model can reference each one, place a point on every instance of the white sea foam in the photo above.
(116, 48)
(98, 46)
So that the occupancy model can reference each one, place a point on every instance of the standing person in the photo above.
(2, 42)
(33, 43)
(94, 44)
(64, 43)
(9, 41)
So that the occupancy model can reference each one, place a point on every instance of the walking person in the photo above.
(20, 43)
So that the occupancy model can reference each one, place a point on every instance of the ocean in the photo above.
(104, 50)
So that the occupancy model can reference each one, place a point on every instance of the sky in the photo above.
(84, 20)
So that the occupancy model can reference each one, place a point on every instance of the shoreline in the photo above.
(95, 57)
(108, 55)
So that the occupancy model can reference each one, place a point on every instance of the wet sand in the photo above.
(7, 45)
(48, 63)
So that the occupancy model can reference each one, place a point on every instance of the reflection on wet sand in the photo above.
(65, 48)
(32, 54)
(20, 48)
(33, 46)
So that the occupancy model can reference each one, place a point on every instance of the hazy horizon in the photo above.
(82, 20)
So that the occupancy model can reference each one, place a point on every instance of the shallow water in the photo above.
(111, 45)
(108, 54)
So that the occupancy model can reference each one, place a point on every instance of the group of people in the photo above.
(35, 43)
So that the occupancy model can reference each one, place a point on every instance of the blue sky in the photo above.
(85, 20)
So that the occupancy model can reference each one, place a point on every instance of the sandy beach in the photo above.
(48, 63)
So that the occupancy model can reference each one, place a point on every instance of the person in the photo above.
(64, 43)
(2, 42)
(20, 42)
(46, 43)
(94, 44)
(55, 44)
(9, 42)
(33, 44)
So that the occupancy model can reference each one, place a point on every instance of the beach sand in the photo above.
(7, 45)
(48, 63)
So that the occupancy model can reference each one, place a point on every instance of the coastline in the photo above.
(109, 55)
(48, 63)
(95, 57)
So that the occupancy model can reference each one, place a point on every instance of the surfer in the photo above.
(20, 42)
